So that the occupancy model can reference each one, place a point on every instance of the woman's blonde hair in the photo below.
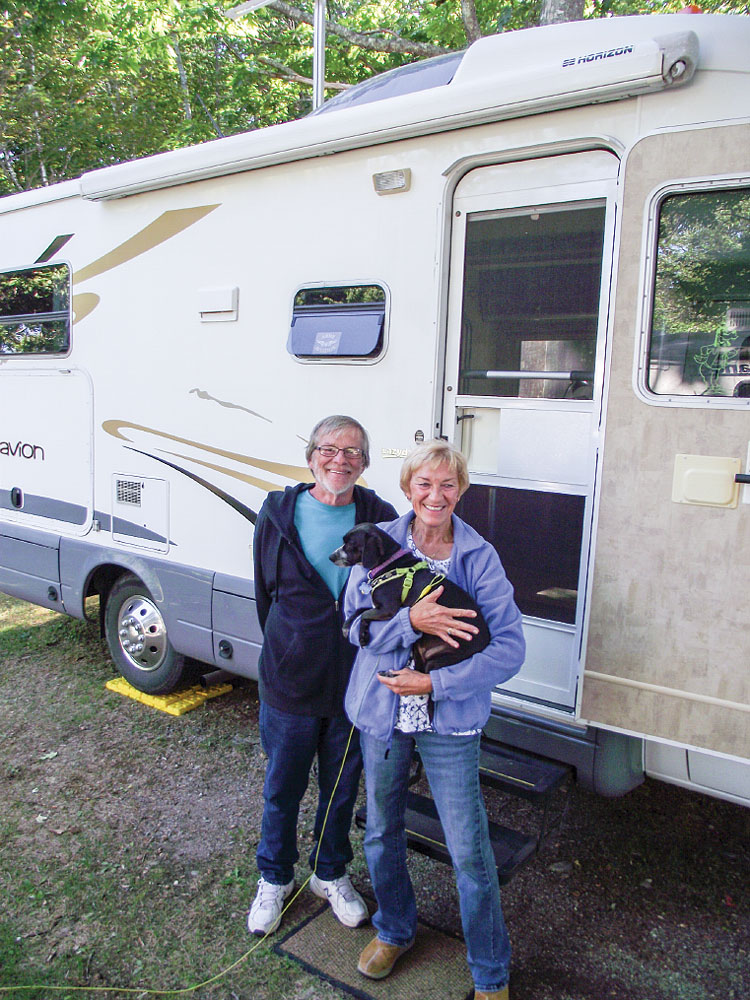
(435, 453)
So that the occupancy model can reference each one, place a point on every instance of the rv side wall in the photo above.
(145, 450)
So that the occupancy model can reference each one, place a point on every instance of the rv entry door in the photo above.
(529, 285)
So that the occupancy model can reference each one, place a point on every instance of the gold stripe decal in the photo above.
(262, 484)
(168, 224)
(295, 473)
(83, 304)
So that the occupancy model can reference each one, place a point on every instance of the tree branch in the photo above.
(361, 39)
(212, 120)
(290, 74)
(284, 71)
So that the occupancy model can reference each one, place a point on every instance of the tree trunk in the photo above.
(471, 21)
(175, 46)
(555, 11)
(6, 164)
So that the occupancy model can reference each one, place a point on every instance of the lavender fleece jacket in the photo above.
(461, 692)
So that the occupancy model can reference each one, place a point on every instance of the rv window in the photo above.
(699, 337)
(531, 302)
(538, 537)
(340, 321)
(35, 310)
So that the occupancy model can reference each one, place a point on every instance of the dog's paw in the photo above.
(364, 633)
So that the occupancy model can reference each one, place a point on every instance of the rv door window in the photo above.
(339, 321)
(538, 536)
(35, 310)
(531, 302)
(699, 336)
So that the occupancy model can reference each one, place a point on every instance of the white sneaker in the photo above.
(346, 902)
(265, 913)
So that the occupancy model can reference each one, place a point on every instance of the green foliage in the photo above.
(88, 83)
(702, 282)
(703, 263)
(33, 310)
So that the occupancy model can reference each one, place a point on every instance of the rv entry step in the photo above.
(509, 772)
(424, 833)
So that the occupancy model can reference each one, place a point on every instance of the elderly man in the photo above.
(304, 669)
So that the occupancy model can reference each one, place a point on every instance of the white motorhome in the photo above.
(538, 248)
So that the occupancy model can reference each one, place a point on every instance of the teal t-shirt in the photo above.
(321, 529)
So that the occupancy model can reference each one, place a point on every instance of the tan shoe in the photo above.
(378, 958)
(502, 994)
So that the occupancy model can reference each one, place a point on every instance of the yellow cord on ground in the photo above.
(143, 992)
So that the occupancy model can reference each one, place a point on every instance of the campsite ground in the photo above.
(127, 841)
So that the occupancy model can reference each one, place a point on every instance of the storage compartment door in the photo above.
(46, 474)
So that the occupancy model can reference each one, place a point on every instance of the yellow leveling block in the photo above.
(173, 704)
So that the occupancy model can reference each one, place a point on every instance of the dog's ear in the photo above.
(373, 550)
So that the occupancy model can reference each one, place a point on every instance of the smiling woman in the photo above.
(441, 713)
(434, 488)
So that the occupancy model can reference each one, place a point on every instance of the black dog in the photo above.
(398, 580)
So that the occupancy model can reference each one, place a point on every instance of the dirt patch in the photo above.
(129, 836)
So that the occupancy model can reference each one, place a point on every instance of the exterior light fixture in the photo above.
(392, 181)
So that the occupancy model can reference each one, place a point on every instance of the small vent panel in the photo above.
(129, 492)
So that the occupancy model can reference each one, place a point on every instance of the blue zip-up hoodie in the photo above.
(461, 692)
(305, 660)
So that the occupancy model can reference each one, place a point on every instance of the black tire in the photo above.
(137, 639)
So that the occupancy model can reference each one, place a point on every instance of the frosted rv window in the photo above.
(699, 338)
(35, 310)
(341, 321)
(531, 302)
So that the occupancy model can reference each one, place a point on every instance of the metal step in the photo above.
(520, 773)
(425, 834)
(510, 771)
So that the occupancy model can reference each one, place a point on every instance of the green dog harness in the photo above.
(408, 573)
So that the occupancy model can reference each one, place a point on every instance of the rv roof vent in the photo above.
(423, 75)
(129, 492)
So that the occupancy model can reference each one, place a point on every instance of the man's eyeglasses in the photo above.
(331, 451)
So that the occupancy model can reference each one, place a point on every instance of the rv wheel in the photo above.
(137, 639)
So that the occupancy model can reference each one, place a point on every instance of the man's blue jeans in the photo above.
(291, 743)
(451, 764)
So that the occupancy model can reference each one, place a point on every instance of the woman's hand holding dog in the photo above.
(434, 619)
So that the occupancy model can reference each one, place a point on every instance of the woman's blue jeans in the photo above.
(291, 743)
(451, 764)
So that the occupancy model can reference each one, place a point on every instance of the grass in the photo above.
(90, 896)
(127, 857)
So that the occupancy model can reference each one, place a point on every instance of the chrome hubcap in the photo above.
(142, 634)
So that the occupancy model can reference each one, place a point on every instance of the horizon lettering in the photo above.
(623, 50)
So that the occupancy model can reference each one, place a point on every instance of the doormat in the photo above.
(176, 703)
(434, 969)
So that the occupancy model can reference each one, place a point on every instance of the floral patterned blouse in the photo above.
(413, 712)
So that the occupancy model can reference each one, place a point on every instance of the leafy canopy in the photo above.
(88, 83)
